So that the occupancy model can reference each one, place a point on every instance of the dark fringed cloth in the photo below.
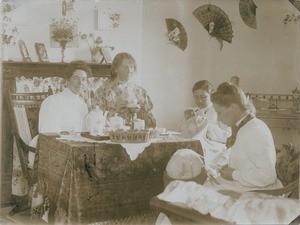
(92, 182)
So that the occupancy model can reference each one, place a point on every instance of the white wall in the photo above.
(266, 59)
(33, 17)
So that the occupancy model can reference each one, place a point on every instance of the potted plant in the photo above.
(63, 31)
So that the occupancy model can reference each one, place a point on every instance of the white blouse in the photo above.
(214, 131)
(253, 155)
(64, 111)
(253, 158)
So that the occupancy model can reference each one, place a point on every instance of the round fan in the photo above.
(216, 22)
(176, 33)
(248, 12)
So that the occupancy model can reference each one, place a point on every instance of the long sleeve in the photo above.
(253, 157)
(99, 99)
(218, 132)
(49, 116)
(146, 107)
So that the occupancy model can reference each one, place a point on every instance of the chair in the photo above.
(287, 167)
(24, 111)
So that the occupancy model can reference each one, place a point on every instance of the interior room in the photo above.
(252, 45)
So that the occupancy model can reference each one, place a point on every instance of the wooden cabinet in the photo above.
(11, 70)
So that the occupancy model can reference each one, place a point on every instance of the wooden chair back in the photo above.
(24, 110)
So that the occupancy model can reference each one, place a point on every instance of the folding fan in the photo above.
(295, 3)
(216, 22)
(176, 33)
(248, 12)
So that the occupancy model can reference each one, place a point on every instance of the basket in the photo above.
(130, 136)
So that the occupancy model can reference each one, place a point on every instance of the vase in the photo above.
(63, 44)
(94, 53)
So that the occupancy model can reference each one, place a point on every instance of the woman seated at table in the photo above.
(251, 150)
(201, 122)
(119, 95)
(65, 111)
(249, 162)
(203, 113)
(252, 154)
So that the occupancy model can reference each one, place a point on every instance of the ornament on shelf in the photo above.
(296, 100)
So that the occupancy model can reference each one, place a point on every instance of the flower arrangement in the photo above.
(9, 31)
(63, 29)
(93, 42)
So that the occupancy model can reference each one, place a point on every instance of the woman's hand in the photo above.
(226, 172)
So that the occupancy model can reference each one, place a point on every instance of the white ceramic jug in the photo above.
(96, 121)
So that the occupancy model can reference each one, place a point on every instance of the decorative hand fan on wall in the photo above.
(248, 12)
(216, 22)
(295, 3)
(176, 33)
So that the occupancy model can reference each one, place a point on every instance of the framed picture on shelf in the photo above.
(24, 51)
(42, 52)
(106, 55)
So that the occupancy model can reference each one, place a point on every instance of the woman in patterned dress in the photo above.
(117, 94)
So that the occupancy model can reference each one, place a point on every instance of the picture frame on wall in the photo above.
(42, 52)
(24, 51)
(106, 57)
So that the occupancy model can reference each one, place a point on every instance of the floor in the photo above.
(19, 218)
(24, 218)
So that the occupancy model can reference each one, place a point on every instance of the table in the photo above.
(92, 182)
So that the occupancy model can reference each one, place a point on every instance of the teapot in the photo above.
(96, 121)
(116, 122)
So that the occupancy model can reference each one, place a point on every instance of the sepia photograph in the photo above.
(151, 112)
(24, 51)
(42, 52)
(105, 53)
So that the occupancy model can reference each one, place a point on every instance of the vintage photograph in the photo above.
(150, 112)
(24, 51)
(42, 52)
(105, 54)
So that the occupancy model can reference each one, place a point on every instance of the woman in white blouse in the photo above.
(65, 111)
(201, 122)
(252, 155)
(203, 114)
